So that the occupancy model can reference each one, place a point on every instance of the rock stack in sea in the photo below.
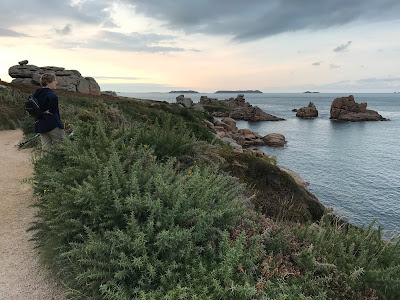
(307, 112)
(345, 108)
(239, 109)
(70, 80)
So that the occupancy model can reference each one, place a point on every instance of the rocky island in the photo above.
(307, 112)
(239, 92)
(236, 108)
(184, 92)
(346, 109)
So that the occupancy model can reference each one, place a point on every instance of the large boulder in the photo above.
(231, 122)
(345, 108)
(275, 140)
(184, 102)
(307, 112)
(69, 80)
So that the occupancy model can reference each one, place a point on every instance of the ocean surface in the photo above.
(353, 167)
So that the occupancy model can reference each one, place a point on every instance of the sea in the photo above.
(352, 167)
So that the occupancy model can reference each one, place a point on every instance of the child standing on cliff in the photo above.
(49, 126)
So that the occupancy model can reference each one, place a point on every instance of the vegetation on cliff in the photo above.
(142, 203)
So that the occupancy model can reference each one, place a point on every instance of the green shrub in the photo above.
(360, 263)
(118, 224)
(11, 108)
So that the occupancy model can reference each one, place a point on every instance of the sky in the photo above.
(158, 46)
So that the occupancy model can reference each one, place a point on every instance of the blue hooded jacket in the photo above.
(48, 100)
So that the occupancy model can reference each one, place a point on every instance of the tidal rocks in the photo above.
(307, 112)
(275, 140)
(70, 80)
(227, 129)
(238, 109)
(345, 108)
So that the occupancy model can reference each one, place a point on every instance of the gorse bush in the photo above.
(119, 225)
(11, 108)
(358, 260)
(137, 205)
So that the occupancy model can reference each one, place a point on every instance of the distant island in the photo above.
(308, 92)
(184, 92)
(240, 91)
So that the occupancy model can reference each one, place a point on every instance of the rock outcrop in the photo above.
(345, 108)
(275, 140)
(307, 112)
(188, 103)
(70, 80)
(238, 109)
(240, 139)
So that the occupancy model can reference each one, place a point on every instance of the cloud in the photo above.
(136, 87)
(390, 81)
(316, 63)
(333, 66)
(134, 42)
(343, 47)
(10, 33)
(384, 84)
(123, 78)
(51, 12)
(66, 30)
(255, 19)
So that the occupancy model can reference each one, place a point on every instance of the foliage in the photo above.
(11, 108)
(358, 260)
(139, 204)
(124, 225)
(276, 194)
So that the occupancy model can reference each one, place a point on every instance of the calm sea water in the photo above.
(353, 167)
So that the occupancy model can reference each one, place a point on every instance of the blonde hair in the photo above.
(47, 78)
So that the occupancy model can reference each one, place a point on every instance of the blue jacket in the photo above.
(48, 100)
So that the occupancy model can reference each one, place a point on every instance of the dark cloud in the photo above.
(51, 12)
(66, 30)
(254, 19)
(343, 47)
(316, 63)
(134, 42)
(11, 33)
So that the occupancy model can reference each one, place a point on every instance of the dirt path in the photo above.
(21, 275)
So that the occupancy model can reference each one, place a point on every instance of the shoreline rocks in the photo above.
(346, 109)
(69, 80)
(307, 112)
(238, 109)
(240, 139)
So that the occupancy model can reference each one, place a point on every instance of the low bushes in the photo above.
(11, 108)
(137, 204)
(118, 224)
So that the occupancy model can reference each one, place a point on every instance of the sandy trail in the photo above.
(21, 274)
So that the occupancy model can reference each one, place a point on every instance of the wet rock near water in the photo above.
(239, 109)
(307, 112)
(346, 109)
(241, 139)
